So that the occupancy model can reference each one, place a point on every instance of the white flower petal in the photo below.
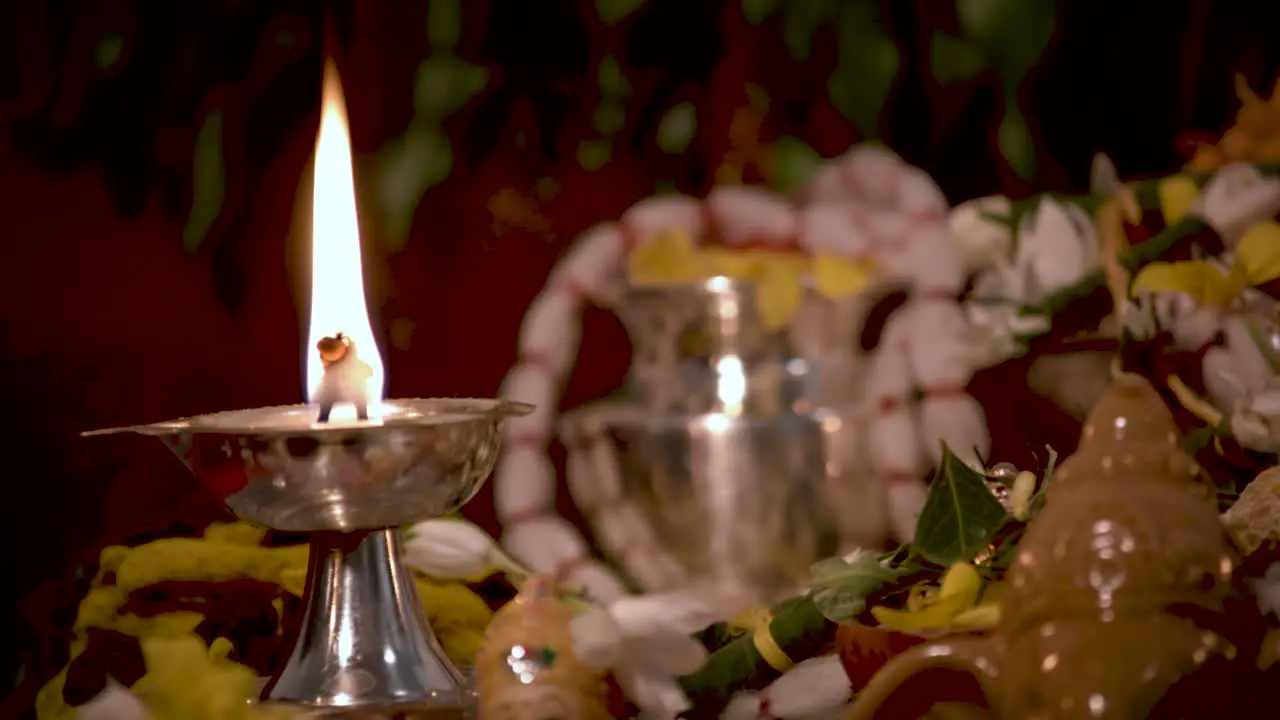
(115, 702)
(666, 654)
(597, 640)
(657, 697)
(449, 549)
(981, 239)
(1267, 403)
(683, 612)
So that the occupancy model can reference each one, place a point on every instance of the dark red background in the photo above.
(106, 320)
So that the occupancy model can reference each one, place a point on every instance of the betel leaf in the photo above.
(955, 60)
(840, 588)
(960, 515)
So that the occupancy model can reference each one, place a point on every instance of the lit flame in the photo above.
(337, 278)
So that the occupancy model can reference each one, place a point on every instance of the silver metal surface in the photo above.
(364, 647)
(279, 468)
(739, 444)
(367, 645)
(703, 347)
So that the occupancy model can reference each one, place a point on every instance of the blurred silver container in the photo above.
(737, 444)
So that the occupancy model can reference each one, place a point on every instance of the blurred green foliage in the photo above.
(677, 128)
(208, 182)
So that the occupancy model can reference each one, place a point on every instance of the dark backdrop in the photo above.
(109, 316)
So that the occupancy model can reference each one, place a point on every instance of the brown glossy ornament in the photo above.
(526, 668)
(1086, 631)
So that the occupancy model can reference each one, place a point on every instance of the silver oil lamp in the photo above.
(351, 471)
(364, 643)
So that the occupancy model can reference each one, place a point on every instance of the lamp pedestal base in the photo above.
(364, 646)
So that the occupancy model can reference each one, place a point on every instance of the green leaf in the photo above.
(982, 19)
(411, 165)
(612, 12)
(108, 50)
(1014, 32)
(955, 60)
(609, 117)
(800, 19)
(960, 515)
(677, 128)
(444, 24)
(840, 588)
(613, 83)
(757, 11)
(1015, 142)
(594, 154)
(792, 163)
(208, 183)
(1198, 439)
(444, 85)
(867, 67)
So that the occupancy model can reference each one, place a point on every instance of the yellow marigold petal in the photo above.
(986, 615)
(779, 293)
(962, 580)
(1177, 194)
(732, 263)
(1193, 278)
(1258, 253)
(835, 277)
(938, 615)
(671, 256)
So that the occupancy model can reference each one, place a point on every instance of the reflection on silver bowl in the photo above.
(275, 466)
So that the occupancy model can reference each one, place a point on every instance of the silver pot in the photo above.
(736, 445)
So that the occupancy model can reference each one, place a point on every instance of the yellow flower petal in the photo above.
(1177, 194)
(835, 277)
(986, 615)
(1258, 253)
(938, 615)
(1024, 486)
(779, 292)
(671, 256)
(962, 580)
(1197, 278)
(733, 263)
(921, 595)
